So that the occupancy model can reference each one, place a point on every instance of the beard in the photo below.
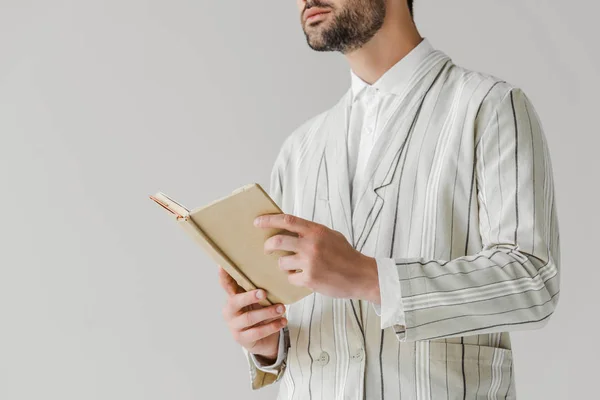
(345, 29)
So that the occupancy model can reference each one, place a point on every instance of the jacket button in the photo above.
(323, 358)
(358, 355)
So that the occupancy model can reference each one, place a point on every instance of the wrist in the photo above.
(268, 355)
(371, 287)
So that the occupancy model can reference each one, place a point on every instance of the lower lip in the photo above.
(316, 16)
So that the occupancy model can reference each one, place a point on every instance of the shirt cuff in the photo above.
(280, 357)
(391, 309)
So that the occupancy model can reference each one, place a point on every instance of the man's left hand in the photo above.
(328, 264)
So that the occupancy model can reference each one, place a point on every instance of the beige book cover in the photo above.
(225, 230)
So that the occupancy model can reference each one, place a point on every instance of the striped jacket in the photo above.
(461, 199)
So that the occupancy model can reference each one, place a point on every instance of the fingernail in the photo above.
(279, 309)
(256, 221)
(260, 294)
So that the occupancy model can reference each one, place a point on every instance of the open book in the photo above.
(225, 230)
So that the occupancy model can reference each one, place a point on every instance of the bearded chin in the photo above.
(351, 29)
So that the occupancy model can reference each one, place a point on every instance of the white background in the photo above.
(102, 103)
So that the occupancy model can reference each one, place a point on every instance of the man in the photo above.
(427, 228)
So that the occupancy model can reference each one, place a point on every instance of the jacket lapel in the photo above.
(398, 124)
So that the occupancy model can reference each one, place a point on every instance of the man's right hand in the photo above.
(253, 326)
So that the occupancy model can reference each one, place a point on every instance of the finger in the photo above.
(237, 302)
(290, 263)
(228, 283)
(281, 242)
(224, 279)
(285, 221)
(266, 321)
(254, 317)
(262, 331)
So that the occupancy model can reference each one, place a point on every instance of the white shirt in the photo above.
(367, 100)
(363, 131)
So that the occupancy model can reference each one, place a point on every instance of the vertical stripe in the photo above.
(297, 342)
(447, 390)
(533, 191)
(358, 320)
(399, 371)
(422, 370)
(457, 161)
(478, 372)
(335, 346)
(334, 313)
(321, 313)
(484, 200)
(289, 383)
(499, 179)
(462, 362)
(381, 363)
(512, 102)
(469, 210)
(312, 310)
(496, 366)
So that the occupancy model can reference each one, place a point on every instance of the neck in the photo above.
(396, 38)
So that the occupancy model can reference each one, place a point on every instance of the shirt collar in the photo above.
(394, 80)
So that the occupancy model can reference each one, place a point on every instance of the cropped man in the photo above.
(424, 206)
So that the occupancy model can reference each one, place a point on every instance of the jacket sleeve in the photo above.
(261, 376)
(513, 282)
